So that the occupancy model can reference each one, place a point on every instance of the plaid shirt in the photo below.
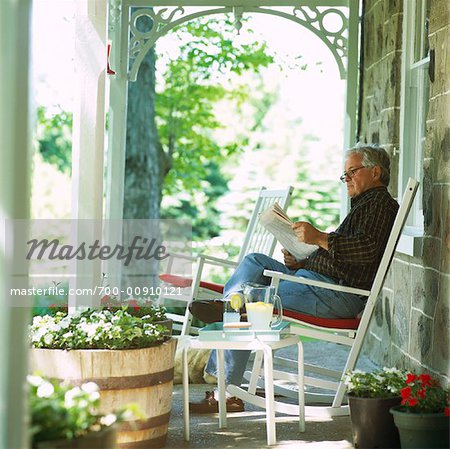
(356, 247)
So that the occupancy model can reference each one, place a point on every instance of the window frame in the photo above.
(414, 101)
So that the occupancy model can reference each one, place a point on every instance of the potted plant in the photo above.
(423, 416)
(67, 417)
(131, 358)
(139, 307)
(370, 396)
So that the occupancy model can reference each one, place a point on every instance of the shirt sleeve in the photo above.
(371, 224)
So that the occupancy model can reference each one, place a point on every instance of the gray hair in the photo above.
(371, 156)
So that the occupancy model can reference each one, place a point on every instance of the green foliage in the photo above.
(60, 411)
(382, 383)
(96, 329)
(54, 138)
(191, 86)
(200, 207)
(317, 202)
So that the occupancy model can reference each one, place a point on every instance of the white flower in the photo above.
(54, 327)
(108, 420)
(68, 335)
(38, 334)
(89, 387)
(48, 339)
(64, 323)
(37, 320)
(35, 380)
(94, 396)
(45, 390)
(69, 397)
(89, 328)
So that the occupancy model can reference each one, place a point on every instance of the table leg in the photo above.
(301, 387)
(221, 388)
(185, 374)
(268, 386)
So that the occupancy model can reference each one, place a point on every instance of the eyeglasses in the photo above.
(350, 173)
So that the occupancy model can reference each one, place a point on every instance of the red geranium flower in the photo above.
(423, 394)
(405, 392)
(410, 378)
(425, 379)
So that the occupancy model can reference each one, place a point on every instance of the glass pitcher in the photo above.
(260, 302)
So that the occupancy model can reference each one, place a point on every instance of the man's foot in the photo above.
(207, 310)
(210, 310)
(210, 405)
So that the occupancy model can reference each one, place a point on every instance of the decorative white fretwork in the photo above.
(115, 7)
(328, 24)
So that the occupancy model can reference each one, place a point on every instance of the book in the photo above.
(275, 220)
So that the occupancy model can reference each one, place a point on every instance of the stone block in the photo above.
(445, 214)
(432, 199)
(439, 14)
(388, 311)
(425, 289)
(389, 127)
(428, 147)
(377, 349)
(392, 33)
(439, 42)
(369, 41)
(422, 337)
(392, 7)
(401, 305)
(398, 358)
(376, 32)
(432, 252)
(441, 360)
(442, 154)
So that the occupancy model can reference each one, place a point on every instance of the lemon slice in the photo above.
(236, 301)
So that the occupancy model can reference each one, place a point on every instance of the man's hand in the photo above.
(291, 262)
(307, 233)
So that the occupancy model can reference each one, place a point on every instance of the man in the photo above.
(348, 256)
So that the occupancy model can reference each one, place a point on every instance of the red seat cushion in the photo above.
(181, 281)
(337, 323)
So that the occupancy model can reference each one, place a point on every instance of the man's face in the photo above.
(363, 179)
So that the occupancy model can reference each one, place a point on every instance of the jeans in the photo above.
(303, 298)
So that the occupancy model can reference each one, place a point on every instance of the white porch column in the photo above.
(88, 134)
(14, 203)
(115, 166)
(351, 91)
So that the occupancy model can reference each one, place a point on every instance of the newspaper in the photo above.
(275, 220)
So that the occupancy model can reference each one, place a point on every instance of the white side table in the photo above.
(266, 347)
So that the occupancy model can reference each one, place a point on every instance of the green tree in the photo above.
(54, 138)
(186, 152)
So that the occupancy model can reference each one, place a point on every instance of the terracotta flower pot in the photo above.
(420, 430)
(372, 424)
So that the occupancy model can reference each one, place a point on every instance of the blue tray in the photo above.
(215, 331)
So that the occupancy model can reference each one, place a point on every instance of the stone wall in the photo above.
(410, 325)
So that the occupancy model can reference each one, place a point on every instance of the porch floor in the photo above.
(248, 430)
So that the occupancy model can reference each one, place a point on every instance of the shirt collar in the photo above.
(367, 193)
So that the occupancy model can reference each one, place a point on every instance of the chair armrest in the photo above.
(217, 261)
(301, 280)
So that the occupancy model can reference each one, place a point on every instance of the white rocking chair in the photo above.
(350, 332)
(257, 239)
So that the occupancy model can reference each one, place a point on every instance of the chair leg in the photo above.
(253, 383)
(186, 327)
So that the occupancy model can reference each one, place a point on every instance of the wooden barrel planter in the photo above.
(142, 376)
